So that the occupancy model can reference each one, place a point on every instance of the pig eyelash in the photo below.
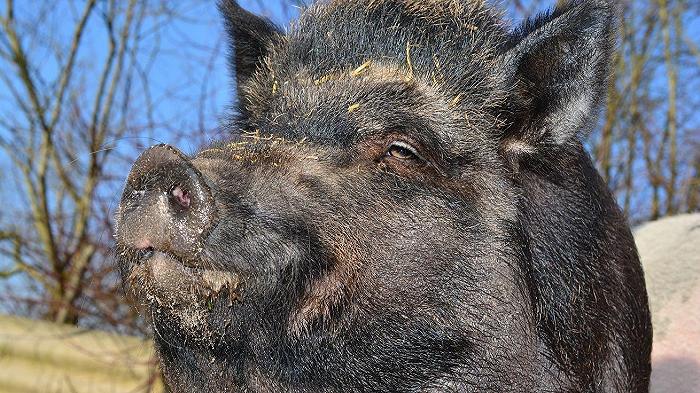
(402, 151)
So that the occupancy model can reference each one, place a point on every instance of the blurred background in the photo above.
(85, 85)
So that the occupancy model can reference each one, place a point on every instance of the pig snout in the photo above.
(166, 206)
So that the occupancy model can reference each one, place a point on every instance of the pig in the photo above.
(404, 204)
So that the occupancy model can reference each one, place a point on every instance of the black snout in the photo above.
(166, 205)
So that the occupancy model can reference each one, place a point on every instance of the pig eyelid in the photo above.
(403, 151)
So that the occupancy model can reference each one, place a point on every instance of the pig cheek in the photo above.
(325, 301)
(322, 297)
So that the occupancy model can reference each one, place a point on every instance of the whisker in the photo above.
(90, 154)
(106, 146)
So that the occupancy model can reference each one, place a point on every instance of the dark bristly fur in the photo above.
(486, 256)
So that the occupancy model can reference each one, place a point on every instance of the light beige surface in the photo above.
(41, 357)
(670, 253)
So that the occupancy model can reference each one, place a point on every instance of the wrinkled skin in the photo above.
(404, 205)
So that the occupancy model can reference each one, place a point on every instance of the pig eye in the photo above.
(402, 151)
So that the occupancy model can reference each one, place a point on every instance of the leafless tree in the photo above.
(646, 146)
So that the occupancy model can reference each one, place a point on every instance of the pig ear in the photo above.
(250, 37)
(558, 65)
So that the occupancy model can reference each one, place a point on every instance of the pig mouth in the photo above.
(167, 281)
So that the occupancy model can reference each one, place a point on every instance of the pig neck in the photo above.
(584, 271)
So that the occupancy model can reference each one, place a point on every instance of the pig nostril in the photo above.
(182, 197)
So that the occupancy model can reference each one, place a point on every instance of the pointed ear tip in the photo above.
(610, 9)
(229, 8)
(605, 15)
(228, 3)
